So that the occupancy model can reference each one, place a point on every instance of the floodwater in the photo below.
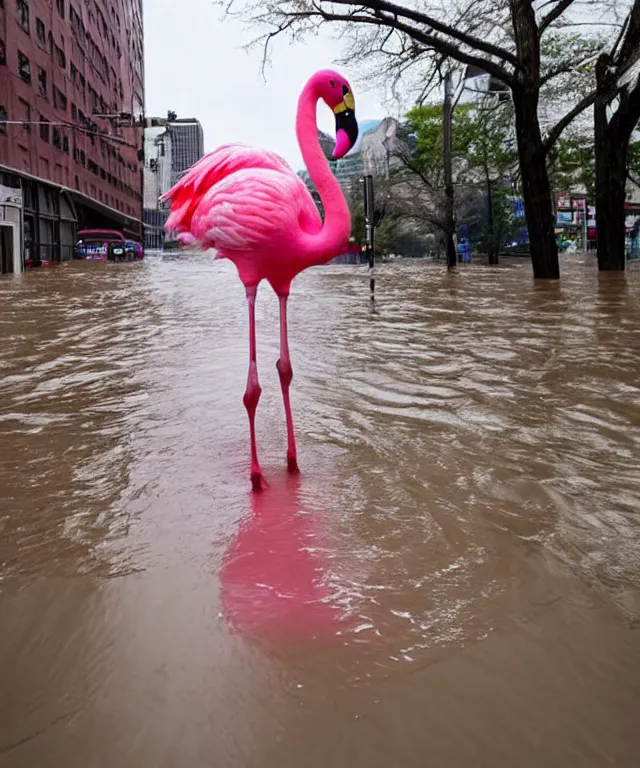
(454, 579)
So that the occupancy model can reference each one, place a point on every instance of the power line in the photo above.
(73, 127)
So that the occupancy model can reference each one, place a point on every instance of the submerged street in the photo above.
(453, 580)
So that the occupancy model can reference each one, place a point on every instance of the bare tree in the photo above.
(504, 39)
(618, 93)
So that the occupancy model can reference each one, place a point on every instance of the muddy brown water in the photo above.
(454, 580)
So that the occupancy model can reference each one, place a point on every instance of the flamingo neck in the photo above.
(331, 240)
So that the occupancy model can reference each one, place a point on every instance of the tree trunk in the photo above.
(493, 244)
(536, 189)
(611, 183)
(611, 149)
(449, 219)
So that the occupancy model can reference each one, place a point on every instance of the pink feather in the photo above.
(187, 193)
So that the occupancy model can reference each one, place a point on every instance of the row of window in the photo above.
(51, 202)
(96, 58)
(24, 70)
(104, 71)
(60, 100)
(54, 135)
(82, 34)
(22, 7)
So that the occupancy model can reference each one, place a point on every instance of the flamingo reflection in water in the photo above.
(273, 576)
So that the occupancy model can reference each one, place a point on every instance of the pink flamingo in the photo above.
(250, 206)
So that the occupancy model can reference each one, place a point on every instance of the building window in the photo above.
(3, 52)
(23, 14)
(59, 99)
(57, 138)
(61, 58)
(60, 7)
(3, 121)
(24, 67)
(26, 125)
(76, 23)
(65, 144)
(42, 82)
(44, 128)
(40, 32)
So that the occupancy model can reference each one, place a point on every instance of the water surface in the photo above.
(454, 580)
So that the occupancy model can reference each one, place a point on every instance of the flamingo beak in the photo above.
(346, 124)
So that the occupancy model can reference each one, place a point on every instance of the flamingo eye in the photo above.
(332, 83)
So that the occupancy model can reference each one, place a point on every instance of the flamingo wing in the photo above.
(256, 209)
(212, 168)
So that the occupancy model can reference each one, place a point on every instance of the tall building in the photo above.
(71, 98)
(374, 153)
(171, 147)
(187, 145)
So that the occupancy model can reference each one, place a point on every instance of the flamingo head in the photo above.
(336, 93)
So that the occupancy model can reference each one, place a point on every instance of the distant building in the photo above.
(375, 153)
(187, 146)
(71, 96)
(170, 150)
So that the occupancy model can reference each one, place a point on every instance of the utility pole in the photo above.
(370, 228)
(447, 120)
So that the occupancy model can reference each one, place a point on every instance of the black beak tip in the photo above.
(347, 122)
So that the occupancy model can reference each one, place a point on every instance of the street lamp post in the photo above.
(370, 227)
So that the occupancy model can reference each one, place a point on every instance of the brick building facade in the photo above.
(67, 68)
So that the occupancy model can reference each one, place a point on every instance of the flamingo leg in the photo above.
(286, 375)
(253, 391)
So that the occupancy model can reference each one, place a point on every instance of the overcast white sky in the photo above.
(195, 66)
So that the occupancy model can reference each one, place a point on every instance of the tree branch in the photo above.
(406, 160)
(556, 131)
(386, 7)
(631, 39)
(630, 113)
(554, 14)
(429, 41)
(567, 67)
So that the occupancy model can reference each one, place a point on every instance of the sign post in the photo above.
(370, 231)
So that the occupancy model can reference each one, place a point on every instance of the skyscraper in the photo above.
(71, 96)
(187, 146)
(171, 148)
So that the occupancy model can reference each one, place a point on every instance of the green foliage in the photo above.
(572, 163)
(492, 231)
(426, 124)
(483, 154)
(481, 141)
(388, 235)
(387, 232)
(633, 159)
(355, 201)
